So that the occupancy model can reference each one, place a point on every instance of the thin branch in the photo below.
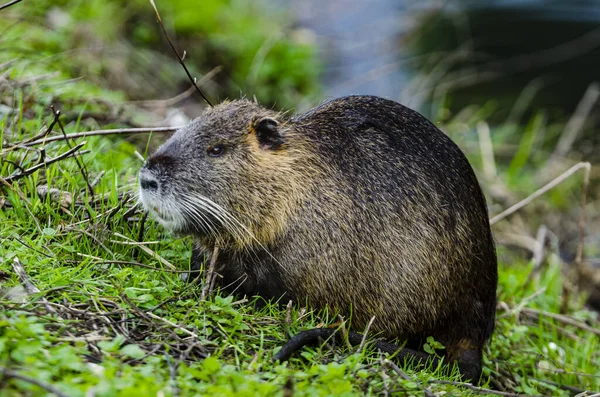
(178, 98)
(556, 181)
(101, 261)
(19, 270)
(81, 164)
(584, 195)
(118, 131)
(46, 386)
(210, 275)
(29, 287)
(364, 338)
(193, 80)
(31, 170)
(146, 250)
(10, 3)
(561, 318)
(577, 121)
(172, 324)
(477, 389)
(403, 375)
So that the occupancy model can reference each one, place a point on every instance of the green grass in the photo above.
(112, 319)
(99, 334)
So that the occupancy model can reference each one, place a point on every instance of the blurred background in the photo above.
(514, 82)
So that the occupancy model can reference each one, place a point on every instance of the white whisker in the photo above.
(229, 222)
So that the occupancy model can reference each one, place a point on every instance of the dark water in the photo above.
(476, 50)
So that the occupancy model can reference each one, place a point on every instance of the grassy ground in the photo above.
(93, 304)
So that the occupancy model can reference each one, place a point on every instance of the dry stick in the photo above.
(577, 121)
(487, 150)
(556, 181)
(586, 188)
(210, 275)
(384, 378)
(364, 338)
(573, 389)
(117, 131)
(561, 318)
(178, 98)
(44, 132)
(96, 240)
(30, 288)
(129, 263)
(288, 312)
(193, 80)
(148, 251)
(172, 324)
(18, 268)
(31, 170)
(517, 309)
(404, 376)
(80, 165)
(46, 386)
(344, 332)
(10, 3)
(477, 389)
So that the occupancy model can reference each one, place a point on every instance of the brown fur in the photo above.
(360, 205)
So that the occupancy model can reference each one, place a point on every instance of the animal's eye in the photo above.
(216, 150)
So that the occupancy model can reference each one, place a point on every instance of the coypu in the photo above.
(361, 205)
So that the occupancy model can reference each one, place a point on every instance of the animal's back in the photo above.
(397, 223)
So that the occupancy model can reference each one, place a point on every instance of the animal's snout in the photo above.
(148, 181)
(160, 160)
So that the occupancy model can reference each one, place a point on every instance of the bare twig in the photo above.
(193, 80)
(30, 288)
(45, 163)
(403, 375)
(18, 268)
(344, 331)
(561, 386)
(577, 121)
(517, 309)
(178, 98)
(561, 318)
(130, 263)
(364, 338)
(42, 133)
(10, 3)
(487, 150)
(210, 275)
(384, 378)
(148, 251)
(172, 324)
(288, 312)
(46, 386)
(81, 165)
(522, 62)
(584, 194)
(477, 389)
(117, 131)
(556, 181)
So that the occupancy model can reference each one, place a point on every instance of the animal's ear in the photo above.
(268, 133)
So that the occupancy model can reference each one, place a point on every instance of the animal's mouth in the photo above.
(161, 214)
(164, 215)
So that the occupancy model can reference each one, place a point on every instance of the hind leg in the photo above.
(468, 356)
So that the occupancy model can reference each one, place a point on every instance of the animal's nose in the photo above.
(148, 181)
